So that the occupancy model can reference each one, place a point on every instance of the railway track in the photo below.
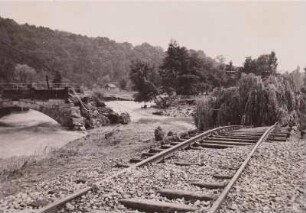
(174, 177)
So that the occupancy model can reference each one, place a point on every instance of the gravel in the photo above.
(144, 182)
(274, 181)
(42, 193)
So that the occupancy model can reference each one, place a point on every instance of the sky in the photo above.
(232, 29)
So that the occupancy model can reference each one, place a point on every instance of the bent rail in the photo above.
(156, 158)
(226, 190)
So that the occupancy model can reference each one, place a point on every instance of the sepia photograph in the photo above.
(160, 106)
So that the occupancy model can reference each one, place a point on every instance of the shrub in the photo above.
(98, 97)
(204, 114)
(253, 102)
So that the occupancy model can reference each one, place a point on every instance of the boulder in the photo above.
(158, 113)
(125, 118)
(159, 134)
(77, 123)
(114, 118)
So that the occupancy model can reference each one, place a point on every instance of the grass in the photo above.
(15, 167)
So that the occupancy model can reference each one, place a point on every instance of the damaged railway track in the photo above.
(110, 194)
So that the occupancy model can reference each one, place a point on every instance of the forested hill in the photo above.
(78, 58)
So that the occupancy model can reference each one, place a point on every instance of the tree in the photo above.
(188, 84)
(139, 75)
(249, 65)
(123, 84)
(220, 59)
(57, 78)
(175, 64)
(296, 79)
(263, 66)
(7, 67)
(267, 64)
(255, 101)
(301, 108)
(80, 59)
(24, 73)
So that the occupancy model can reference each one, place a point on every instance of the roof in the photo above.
(111, 85)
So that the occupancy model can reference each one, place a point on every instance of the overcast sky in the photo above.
(232, 29)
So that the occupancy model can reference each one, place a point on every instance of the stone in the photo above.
(69, 206)
(125, 118)
(159, 134)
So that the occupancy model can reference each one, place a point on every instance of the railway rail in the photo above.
(191, 194)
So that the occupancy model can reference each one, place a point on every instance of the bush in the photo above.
(98, 97)
(253, 102)
(204, 114)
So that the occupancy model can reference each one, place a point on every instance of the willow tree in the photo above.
(301, 109)
(204, 117)
(254, 102)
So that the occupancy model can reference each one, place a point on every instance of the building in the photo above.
(110, 86)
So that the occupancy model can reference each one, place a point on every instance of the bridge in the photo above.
(62, 102)
(52, 101)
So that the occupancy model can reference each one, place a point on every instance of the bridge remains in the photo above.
(58, 110)
(62, 103)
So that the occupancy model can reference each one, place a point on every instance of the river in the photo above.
(34, 133)
(31, 133)
(135, 109)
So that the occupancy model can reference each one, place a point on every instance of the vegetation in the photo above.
(254, 101)
(189, 72)
(264, 65)
(93, 62)
(98, 97)
(24, 73)
(79, 59)
(297, 79)
(57, 78)
(204, 114)
(142, 79)
(29, 53)
(301, 108)
(183, 72)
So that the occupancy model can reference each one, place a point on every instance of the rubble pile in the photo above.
(91, 113)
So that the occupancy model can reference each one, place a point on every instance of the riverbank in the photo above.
(97, 153)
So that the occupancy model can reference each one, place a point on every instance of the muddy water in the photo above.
(139, 114)
(31, 132)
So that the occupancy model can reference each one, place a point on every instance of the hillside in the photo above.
(78, 58)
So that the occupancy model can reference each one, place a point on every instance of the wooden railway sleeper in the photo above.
(187, 195)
